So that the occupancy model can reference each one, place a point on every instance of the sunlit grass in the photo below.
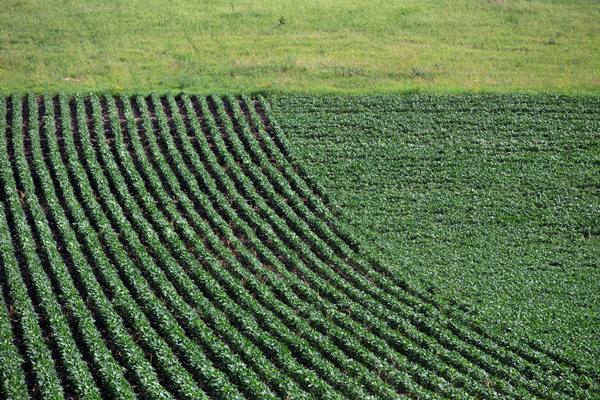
(302, 46)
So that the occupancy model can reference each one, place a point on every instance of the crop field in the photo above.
(317, 199)
(173, 247)
(490, 199)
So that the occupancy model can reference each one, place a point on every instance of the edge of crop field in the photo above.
(583, 92)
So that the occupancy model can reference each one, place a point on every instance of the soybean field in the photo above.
(489, 199)
(174, 247)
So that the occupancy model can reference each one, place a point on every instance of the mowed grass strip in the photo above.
(172, 247)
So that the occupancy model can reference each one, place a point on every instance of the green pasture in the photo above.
(306, 46)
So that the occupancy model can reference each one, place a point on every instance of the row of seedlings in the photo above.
(250, 353)
(36, 353)
(185, 313)
(16, 330)
(12, 376)
(314, 383)
(72, 373)
(149, 360)
(112, 354)
(180, 359)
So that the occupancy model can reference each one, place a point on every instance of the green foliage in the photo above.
(492, 200)
(171, 247)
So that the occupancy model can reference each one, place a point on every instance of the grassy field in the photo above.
(494, 200)
(302, 46)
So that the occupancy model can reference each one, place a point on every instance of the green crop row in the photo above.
(173, 247)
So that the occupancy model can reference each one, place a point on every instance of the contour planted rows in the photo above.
(169, 247)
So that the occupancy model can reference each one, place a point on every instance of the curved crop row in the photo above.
(171, 247)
